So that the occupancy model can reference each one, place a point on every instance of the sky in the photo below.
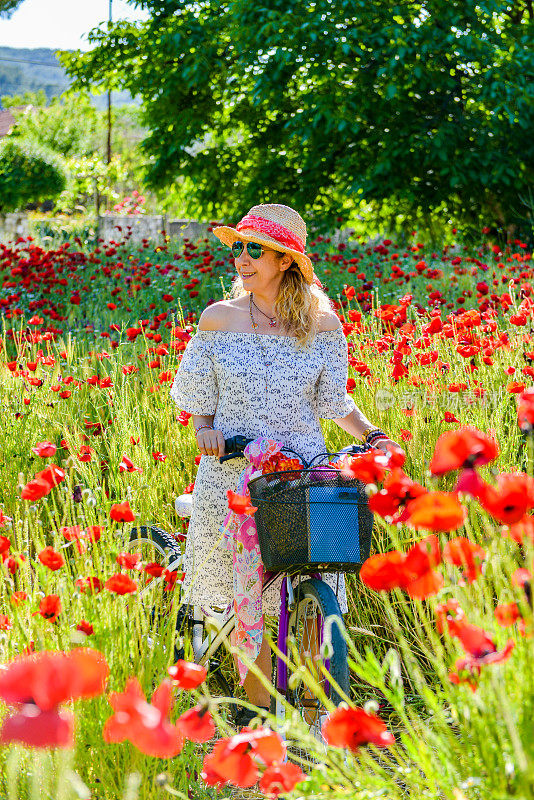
(61, 24)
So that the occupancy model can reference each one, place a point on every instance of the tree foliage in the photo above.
(7, 7)
(69, 126)
(28, 173)
(418, 103)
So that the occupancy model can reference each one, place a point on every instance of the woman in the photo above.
(270, 361)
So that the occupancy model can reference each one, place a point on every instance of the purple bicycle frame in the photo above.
(283, 627)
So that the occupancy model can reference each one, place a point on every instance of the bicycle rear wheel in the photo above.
(314, 602)
(158, 547)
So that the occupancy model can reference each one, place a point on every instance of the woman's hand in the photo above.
(210, 442)
(385, 444)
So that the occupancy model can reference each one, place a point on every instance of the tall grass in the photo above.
(451, 742)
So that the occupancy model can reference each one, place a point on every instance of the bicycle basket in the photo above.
(311, 520)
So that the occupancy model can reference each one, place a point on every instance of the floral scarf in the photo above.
(242, 539)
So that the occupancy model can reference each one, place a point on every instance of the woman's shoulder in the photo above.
(218, 316)
(329, 321)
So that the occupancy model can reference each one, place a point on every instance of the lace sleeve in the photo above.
(195, 384)
(333, 401)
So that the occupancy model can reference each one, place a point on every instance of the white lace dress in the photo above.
(223, 373)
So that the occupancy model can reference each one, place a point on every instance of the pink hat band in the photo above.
(283, 235)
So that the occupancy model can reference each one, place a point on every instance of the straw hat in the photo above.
(277, 226)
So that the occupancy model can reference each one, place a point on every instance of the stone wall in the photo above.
(149, 227)
(12, 226)
(143, 226)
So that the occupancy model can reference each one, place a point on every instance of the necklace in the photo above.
(260, 343)
(272, 320)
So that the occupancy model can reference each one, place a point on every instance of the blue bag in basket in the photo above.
(333, 524)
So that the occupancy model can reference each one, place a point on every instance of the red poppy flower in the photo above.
(266, 744)
(52, 474)
(35, 489)
(398, 489)
(419, 578)
(92, 584)
(383, 571)
(51, 558)
(230, 765)
(479, 645)
(463, 553)
(466, 673)
(71, 532)
(18, 597)
(507, 614)
(280, 778)
(521, 577)
(120, 584)
(525, 410)
(436, 511)
(370, 467)
(353, 727)
(50, 607)
(40, 729)
(487, 656)
(521, 530)
(196, 724)
(158, 456)
(5, 623)
(145, 725)
(384, 503)
(509, 501)
(128, 560)
(239, 503)
(85, 627)
(13, 563)
(85, 453)
(44, 449)
(470, 482)
(154, 569)
(448, 614)
(449, 417)
(5, 544)
(127, 465)
(94, 532)
(121, 512)
(412, 571)
(49, 678)
(463, 448)
(187, 675)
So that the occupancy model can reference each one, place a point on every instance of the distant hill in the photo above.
(22, 69)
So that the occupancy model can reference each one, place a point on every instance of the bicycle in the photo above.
(304, 608)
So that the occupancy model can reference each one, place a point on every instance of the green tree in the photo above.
(28, 173)
(420, 104)
(69, 126)
(28, 98)
(7, 7)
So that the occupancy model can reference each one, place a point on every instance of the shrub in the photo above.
(28, 173)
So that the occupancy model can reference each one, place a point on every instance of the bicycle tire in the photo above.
(169, 550)
(164, 543)
(155, 544)
(316, 597)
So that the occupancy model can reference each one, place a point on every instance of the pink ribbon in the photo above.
(279, 232)
(242, 539)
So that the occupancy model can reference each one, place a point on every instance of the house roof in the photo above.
(8, 120)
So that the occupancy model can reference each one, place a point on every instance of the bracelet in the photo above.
(203, 426)
(372, 434)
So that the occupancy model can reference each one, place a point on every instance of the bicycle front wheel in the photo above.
(314, 602)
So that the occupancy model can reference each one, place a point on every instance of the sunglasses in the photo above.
(254, 249)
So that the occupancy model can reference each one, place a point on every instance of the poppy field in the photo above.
(440, 628)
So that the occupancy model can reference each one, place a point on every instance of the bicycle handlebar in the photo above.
(235, 445)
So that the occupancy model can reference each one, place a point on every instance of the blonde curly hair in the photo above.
(299, 305)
